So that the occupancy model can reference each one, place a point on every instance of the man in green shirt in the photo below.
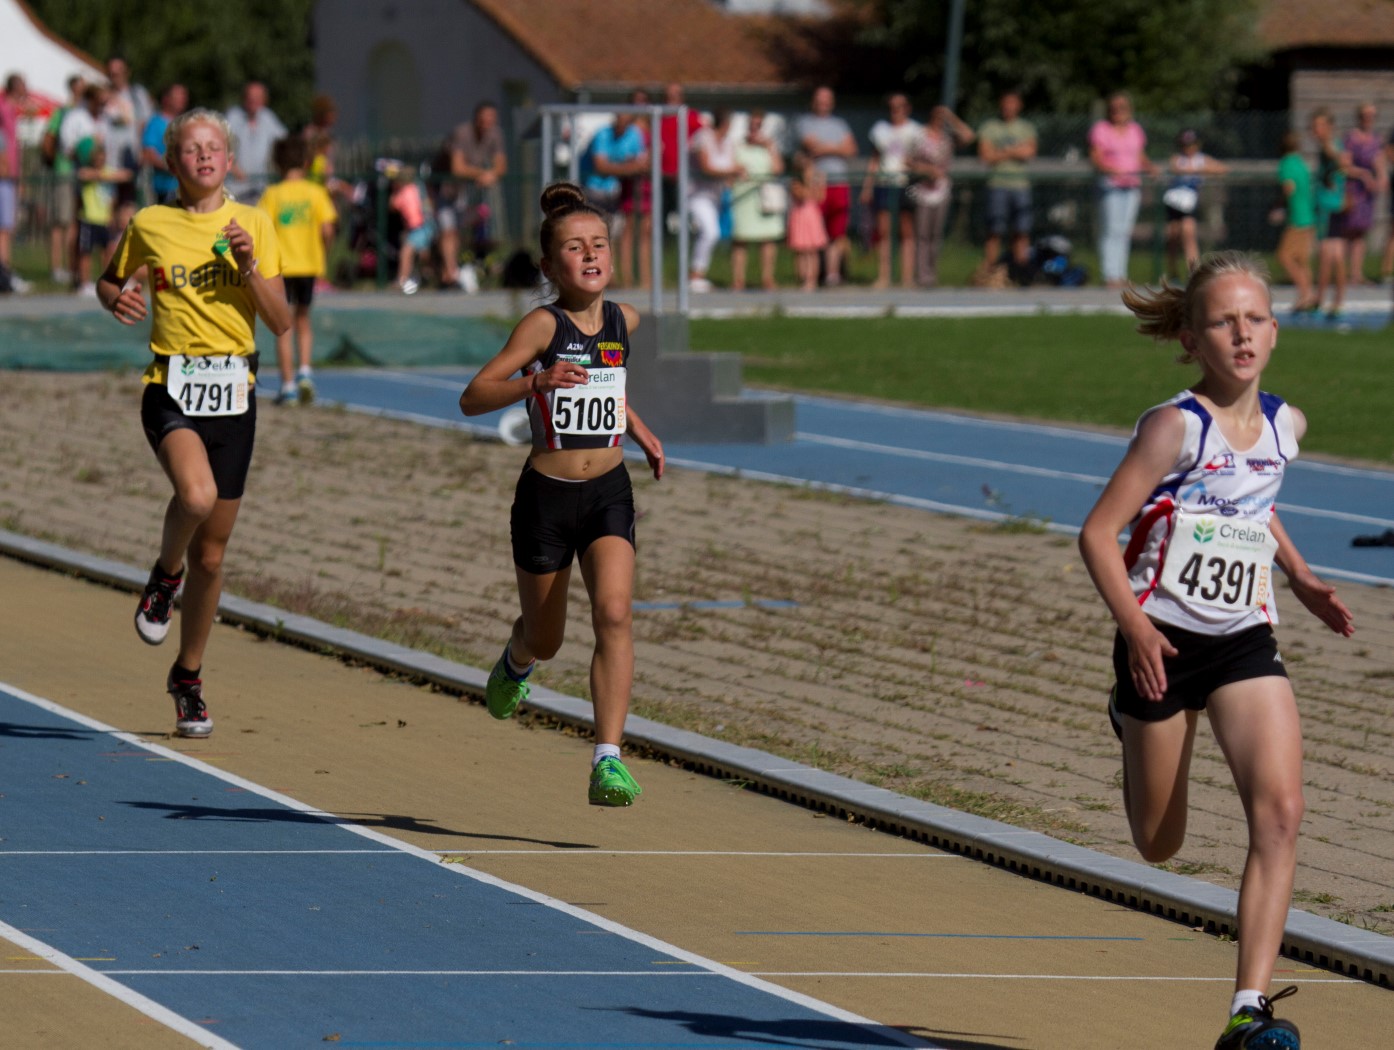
(1006, 144)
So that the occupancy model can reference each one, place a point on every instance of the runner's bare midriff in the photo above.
(576, 464)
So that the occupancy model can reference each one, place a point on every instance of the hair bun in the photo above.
(561, 197)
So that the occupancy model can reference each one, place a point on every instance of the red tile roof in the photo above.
(1289, 24)
(594, 43)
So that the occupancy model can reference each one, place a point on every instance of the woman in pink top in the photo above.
(1117, 148)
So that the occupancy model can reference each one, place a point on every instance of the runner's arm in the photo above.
(268, 293)
(119, 296)
(496, 386)
(1150, 456)
(646, 440)
(1318, 597)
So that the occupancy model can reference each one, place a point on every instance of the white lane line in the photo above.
(879, 974)
(151, 1009)
(861, 493)
(1352, 981)
(431, 382)
(1046, 472)
(185, 852)
(740, 977)
(683, 853)
(410, 973)
(459, 852)
(938, 416)
(948, 457)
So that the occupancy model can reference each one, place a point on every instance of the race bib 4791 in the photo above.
(209, 386)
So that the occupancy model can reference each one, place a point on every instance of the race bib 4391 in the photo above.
(209, 386)
(1219, 562)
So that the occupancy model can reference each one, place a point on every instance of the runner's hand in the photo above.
(1321, 601)
(563, 375)
(1147, 647)
(239, 242)
(653, 452)
(129, 306)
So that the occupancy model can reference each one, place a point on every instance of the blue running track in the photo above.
(944, 462)
(246, 919)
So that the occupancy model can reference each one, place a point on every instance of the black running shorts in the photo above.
(1203, 663)
(554, 521)
(300, 291)
(228, 439)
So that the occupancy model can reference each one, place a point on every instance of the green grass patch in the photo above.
(1090, 370)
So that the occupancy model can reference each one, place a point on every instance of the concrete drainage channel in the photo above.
(1308, 938)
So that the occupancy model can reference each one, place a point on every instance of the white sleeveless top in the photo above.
(1235, 492)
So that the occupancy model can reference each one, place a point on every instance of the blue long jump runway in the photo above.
(245, 919)
(939, 461)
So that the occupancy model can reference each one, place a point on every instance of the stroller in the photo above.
(374, 229)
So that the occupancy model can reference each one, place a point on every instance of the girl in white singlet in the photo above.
(1192, 594)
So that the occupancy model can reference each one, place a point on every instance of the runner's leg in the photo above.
(1257, 726)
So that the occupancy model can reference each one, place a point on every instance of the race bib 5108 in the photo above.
(597, 408)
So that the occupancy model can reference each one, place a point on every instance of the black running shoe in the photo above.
(1255, 1028)
(190, 713)
(156, 605)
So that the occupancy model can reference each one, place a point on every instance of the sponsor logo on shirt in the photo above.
(215, 274)
(611, 358)
(1221, 465)
(1199, 495)
(1267, 467)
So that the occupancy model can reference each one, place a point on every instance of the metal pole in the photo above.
(951, 52)
(684, 261)
(574, 167)
(547, 151)
(656, 212)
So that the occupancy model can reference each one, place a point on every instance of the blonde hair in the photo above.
(1164, 312)
(188, 119)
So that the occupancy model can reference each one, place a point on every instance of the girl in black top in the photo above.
(569, 360)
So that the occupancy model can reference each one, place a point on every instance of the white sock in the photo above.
(1244, 997)
(519, 673)
(604, 751)
(305, 372)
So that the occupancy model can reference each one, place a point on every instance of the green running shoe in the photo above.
(1258, 1029)
(504, 693)
(611, 784)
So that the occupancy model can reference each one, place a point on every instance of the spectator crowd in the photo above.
(805, 189)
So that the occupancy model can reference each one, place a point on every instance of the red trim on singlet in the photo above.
(1138, 540)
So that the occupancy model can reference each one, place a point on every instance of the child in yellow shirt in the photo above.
(213, 267)
(96, 205)
(304, 216)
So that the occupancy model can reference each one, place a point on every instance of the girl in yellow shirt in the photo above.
(213, 266)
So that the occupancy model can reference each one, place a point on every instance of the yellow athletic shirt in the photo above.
(198, 302)
(299, 208)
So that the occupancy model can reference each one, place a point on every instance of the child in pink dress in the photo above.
(808, 236)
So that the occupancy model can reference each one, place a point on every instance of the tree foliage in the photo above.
(212, 49)
(1170, 55)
